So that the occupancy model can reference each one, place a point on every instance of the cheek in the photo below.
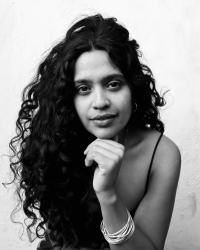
(127, 108)
(80, 109)
(126, 103)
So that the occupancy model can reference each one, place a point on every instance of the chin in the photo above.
(104, 135)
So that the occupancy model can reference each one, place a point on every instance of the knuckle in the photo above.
(118, 158)
(120, 153)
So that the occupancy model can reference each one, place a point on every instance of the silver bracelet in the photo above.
(122, 235)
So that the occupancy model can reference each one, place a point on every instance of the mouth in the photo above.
(104, 122)
(103, 117)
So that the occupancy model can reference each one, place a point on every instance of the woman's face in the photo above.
(103, 97)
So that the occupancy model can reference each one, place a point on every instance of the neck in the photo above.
(121, 137)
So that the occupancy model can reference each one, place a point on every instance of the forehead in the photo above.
(94, 65)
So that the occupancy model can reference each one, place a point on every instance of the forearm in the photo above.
(115, 217)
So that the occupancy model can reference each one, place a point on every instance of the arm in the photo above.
(153, 215)
(115, 217)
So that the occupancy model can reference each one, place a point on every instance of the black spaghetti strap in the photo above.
(152, 158)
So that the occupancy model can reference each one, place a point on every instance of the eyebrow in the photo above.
(103, 79)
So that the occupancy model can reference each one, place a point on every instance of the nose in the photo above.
(100, 99)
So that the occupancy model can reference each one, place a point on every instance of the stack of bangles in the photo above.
(122, 235)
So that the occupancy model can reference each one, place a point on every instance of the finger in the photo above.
(116, 157)
(100, 159)
(106, 146)
(104, 141)
(89, 159)
(88, 147)
(88, 162)
(112, 142)
(106, 152)
(111, 145)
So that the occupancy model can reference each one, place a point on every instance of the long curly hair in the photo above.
(47, 160)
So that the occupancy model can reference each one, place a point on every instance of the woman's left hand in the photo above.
(108, 155)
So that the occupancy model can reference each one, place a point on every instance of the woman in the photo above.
(92, 150)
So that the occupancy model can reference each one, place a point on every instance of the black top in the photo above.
(46, 244)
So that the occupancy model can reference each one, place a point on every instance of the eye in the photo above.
(83, 89)
(114, 84)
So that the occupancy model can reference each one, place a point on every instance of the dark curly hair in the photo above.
(47, 160)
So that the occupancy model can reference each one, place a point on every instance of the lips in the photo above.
(103, 117)
(103, 120)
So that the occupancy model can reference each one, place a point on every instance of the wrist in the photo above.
(108, 197)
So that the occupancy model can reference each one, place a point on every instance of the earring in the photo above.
(134, 107)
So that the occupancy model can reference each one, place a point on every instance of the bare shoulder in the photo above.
(154, 212)
(167, 158)
(169, 147)
(166, 162)
(167, 154)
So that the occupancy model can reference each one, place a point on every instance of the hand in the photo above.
(108, 155)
